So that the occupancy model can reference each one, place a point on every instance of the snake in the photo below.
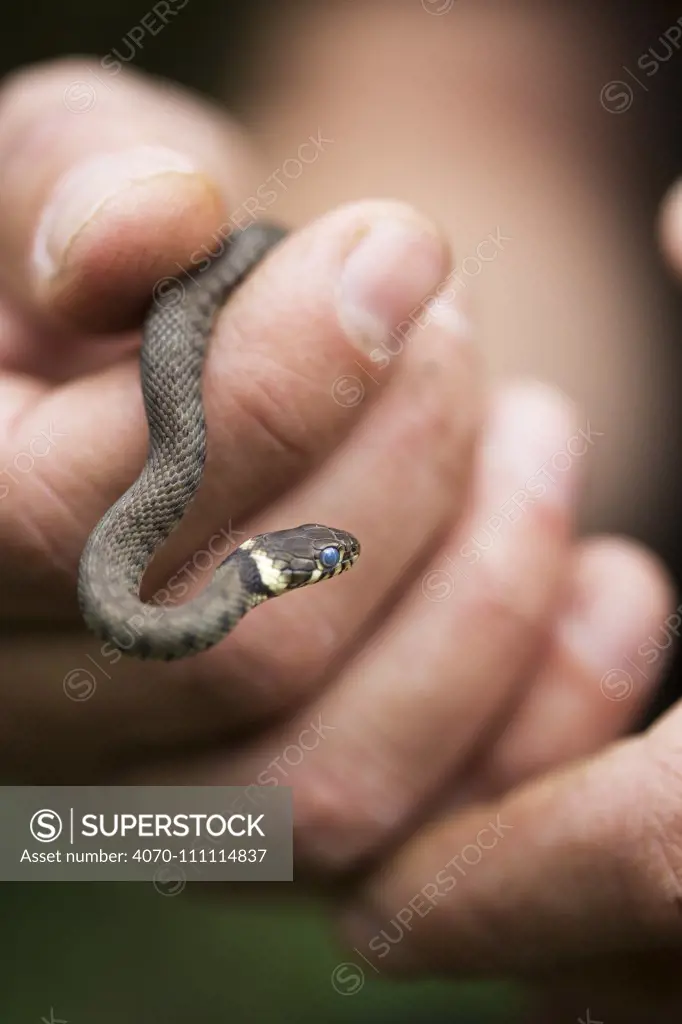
(175, 337)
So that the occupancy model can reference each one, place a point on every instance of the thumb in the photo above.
(103, 197)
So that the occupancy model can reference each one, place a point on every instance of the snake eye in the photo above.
(330, 557)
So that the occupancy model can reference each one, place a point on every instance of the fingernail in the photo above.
(453, 313)
(614, 604)
(530, 449)
(87, 188)
(388, 275)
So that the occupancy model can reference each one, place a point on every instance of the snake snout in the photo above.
(314, 552)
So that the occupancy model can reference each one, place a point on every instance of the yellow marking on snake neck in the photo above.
(269, 573)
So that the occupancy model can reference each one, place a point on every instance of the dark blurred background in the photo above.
(124, 954)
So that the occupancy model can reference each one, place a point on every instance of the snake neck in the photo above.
(158, 629)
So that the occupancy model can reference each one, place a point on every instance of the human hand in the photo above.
(572, 879)
(100, 205)
(394, 677)
(504, 656)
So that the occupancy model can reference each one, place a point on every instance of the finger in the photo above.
(456, 648)
(223, 691)
(277, 350)
(397, 481)
(604, 658)
(247, 677)
(270, 359)
(582, 863)
(100, 199)
(69, 713)
(408, 709)
(670, 227)
(34, 357)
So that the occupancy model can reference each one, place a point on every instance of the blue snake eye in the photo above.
(330, 557)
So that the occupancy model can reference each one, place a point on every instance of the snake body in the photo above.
(120, 547)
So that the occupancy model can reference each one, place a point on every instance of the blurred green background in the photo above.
(110, 953)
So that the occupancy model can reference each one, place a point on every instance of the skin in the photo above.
(448, 669)
(498, 129)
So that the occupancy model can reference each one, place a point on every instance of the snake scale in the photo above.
(121, 546)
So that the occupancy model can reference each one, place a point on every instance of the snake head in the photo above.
(306, 554)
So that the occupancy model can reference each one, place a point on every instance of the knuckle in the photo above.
(652, 847)
(263, 389)
(499, 601)
(36, 112)
(441, 409)
(39, 516)
(287, 449)
(338, 823)
(21, 88)
(52, 523)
